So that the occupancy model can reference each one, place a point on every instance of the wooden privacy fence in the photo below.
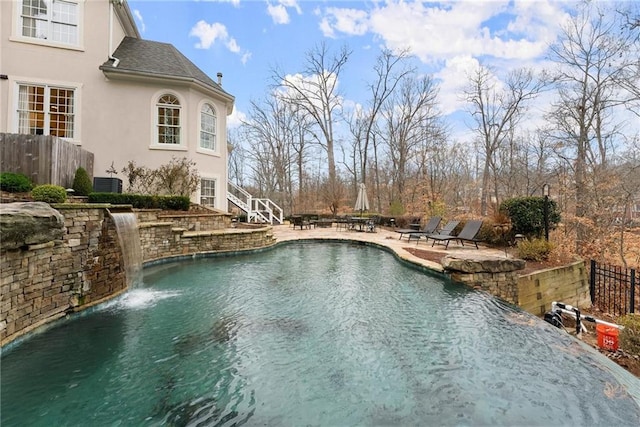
(43, 158)
(613, 289)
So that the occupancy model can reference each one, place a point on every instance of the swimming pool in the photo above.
(309, 334)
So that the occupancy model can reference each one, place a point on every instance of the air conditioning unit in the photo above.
(107, 185)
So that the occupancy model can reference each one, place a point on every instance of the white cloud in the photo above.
(454, 38)
(234, 120)
(278, 13)
(347, 21)
(309, 84)
(140, 20)
(245, 57)
(291, 4)
(326, 28)
(232, 45)
(436, 32)
(452, 79)
(208, 34)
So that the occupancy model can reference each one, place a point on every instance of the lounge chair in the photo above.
(468, 233)
(445, 232)
(430, 227)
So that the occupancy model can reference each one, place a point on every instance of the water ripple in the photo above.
(310, 335)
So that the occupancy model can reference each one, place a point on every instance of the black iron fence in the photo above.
(613, 289)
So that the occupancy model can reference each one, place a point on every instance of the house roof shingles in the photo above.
(140, 56)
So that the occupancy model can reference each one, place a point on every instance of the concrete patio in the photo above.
(388, 238)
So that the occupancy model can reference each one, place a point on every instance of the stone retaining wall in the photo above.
(163, 240)
(568, 284)
(532, 292)
(192, 221)
(495, 275)
(42, 282)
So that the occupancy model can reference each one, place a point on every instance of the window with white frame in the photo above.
(208, 127)
(46, 110)
(53, 20)
(168, 120)
(208, 192)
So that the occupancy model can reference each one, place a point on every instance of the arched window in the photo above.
(208, 127)
(168, 120)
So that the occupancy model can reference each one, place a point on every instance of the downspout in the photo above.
(115, 60)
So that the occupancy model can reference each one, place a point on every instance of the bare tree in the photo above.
(408, 114)
(596, 64)
(390, 69)
(315, 92)
(496, 111)
(271, 129)
(236, 157)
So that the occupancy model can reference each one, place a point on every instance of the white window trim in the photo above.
(16, 30)
(200, 149)
(217, 180)
(154, 144)
(14, 97)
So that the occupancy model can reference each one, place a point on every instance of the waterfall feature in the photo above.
(127, 229)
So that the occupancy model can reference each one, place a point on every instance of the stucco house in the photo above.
(79, 70)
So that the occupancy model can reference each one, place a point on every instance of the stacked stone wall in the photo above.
(495, 275)
(198, 222)
(42, 282)
(162, 240)
(503, 285)
(191, 221)
(532, 292)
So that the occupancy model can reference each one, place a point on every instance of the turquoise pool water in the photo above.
(309, 334)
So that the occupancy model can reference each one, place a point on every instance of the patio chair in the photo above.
(445, 232)
(299, 221)
(430, 227)
(468, 233)
(372, 223)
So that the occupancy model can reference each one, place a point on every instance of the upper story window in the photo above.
(168, 120)
(208, 127)
(51, 20)
(46, 110)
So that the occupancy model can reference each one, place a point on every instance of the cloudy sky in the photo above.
(247, 39)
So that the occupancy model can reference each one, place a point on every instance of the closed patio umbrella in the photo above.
(362, 201)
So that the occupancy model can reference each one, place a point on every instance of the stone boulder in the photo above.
(482, 264)
(29, 223)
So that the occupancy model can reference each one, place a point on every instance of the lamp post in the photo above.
(545, 193)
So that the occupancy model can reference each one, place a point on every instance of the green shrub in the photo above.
(630, 335)
(15, 182)
(49, 193)
(534, 249)
(176, 203)
(140, 201)
(527, 215)
(82, 185)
